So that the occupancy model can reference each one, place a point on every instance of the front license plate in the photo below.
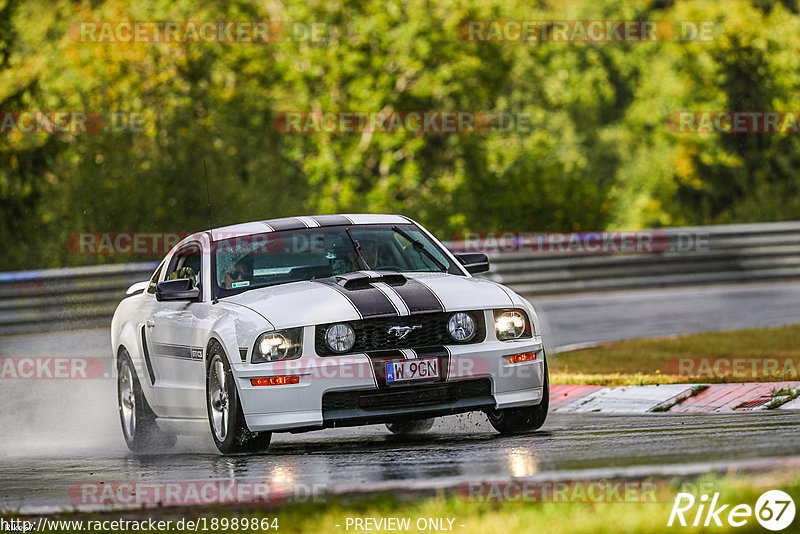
(407, 370)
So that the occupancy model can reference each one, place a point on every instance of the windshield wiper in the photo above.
(357, 246)
(421, 247)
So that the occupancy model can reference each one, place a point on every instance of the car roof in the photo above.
(300, 222)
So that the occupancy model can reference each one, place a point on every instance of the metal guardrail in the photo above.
(727, 254)
(83, 297)
(63, 299)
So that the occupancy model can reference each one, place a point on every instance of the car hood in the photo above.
(321, 301)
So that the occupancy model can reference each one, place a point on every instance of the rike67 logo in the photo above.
(774, 510)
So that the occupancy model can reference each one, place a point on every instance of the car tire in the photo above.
(225, 416)
(411, 426)
(138, 421)
(510, 421)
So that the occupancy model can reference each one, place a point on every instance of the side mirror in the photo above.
(180, 289)
(138, 287)
(474, 262)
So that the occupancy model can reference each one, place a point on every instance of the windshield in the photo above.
(246, 262)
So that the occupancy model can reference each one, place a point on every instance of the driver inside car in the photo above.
(238, 275)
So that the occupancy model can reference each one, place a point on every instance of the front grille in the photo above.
(373, 334)
(407, 396)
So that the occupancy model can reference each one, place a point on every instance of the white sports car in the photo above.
(305, 323)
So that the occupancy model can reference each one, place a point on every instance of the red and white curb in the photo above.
(563, 396)
(670, 397)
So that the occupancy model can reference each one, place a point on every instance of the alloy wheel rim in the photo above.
(218, 399)
(127, 401)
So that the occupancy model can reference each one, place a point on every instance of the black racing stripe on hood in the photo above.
(418, 297)
(368, 301)
(332, 220)
(288, 223)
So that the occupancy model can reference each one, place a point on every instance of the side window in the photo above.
(186, 263)
(154, 281)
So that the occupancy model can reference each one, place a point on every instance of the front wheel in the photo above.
(228, 427)
(525, 419)
(138, 421)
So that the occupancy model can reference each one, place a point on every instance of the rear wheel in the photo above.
(525, 419)
(228, 427)
(411, 426)
(138, 421)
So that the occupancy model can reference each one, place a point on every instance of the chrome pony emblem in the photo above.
(400, 332)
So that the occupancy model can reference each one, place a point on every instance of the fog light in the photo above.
(340, 337)
(461, 326)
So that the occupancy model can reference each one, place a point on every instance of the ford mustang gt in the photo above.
(305, 323)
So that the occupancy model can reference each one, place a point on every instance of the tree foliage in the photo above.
(598, 153)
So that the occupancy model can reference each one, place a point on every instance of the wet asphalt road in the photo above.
(458, 450)
(57, 433)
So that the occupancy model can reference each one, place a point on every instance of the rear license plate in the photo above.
(407, 370)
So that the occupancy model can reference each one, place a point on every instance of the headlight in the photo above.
(511, 324)
(340, 337)
(461, 326)
(279, 345)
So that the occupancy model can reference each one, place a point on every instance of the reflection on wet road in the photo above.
(458, 449)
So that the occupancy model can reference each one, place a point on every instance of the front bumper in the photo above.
(344, 390)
